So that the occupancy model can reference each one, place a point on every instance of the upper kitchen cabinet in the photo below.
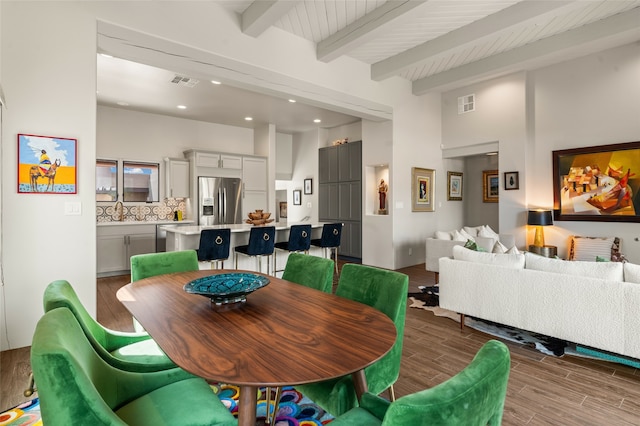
(350, 161)
(328, 164)
(230, 162)
(177, 178)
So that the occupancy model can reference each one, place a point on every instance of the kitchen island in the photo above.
(188, 237)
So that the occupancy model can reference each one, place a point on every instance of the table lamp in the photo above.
(539, 218)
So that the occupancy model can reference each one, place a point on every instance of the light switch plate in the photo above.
(73, 208)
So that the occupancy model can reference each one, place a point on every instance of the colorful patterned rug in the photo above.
(294, 409)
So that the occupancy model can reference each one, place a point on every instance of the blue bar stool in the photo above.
(299, 240)
(261, 243)
(330, 240)
(214, 246)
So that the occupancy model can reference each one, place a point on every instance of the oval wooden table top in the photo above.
(284, 334)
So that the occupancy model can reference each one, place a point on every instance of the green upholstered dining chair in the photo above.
(386, 291)
(152, 264)
(77, 387)
(310, 271)
(473, 397)
(127, 351)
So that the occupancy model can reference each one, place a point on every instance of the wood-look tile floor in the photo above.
(543, 390)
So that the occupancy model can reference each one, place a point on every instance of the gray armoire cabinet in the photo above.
(340, 193)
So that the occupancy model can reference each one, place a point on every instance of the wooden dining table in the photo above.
(283, 334)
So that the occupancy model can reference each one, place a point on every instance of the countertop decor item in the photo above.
(225, 289)
(259, 218)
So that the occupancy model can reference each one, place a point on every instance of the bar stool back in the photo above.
(299, 240)
(214, 246)
(330, 240)
(261, 243)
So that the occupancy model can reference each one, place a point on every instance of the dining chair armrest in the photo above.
(117, 339)
(374, 404)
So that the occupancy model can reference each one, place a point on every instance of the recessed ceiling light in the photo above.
(215, 82)
(248, 118)
(121, 103)
(293, 101)
(182, 107)
(492, 153)
(105, 55)
(317, 120)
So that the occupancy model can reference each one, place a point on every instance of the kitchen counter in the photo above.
(144, 222)
(188, 238)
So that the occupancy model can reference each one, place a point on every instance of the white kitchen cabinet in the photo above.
(177, 178)
(117, 243)
(254, 173)
(230, 161)
(207, 159)
(254, 181)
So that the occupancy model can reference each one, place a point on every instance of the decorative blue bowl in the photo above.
(225, 289)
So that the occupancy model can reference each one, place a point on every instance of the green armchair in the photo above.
(310, 271)
(77, 387)
(152, 264)
(473, 397)
(386, 291)
(126, 351)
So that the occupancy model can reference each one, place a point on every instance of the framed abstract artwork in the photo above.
(308, 187)
(47, 165)
(297, 197)
(423, 190)
(490, 186)
(454, 185)
(597, 183)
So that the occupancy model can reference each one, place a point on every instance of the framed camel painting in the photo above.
(47, 165)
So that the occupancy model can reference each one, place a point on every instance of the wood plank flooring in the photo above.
(543, 390)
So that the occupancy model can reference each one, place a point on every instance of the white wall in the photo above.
(305, 166)
(150, 137)
(351, 131)
(585, 102)
(476, 211)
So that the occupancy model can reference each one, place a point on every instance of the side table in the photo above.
(546, 251)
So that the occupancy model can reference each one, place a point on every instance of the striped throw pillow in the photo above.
(588, 248)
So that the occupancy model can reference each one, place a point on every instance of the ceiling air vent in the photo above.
(184, 81)
(466, 103)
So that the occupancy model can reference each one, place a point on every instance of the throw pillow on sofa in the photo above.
(472, 245)
(612, 271)
(513, 261)
(487, 232)
(443, 235)
(472, 230)
(588, 248)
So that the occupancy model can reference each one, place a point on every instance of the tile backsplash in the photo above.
(141, 212)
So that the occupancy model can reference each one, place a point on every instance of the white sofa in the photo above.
(441, 247)
(595, 304)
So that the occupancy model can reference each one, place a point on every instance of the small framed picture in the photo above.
(423, 190)
(455, 186)
(490, 186)
(297, 197)
(511, 181)
(308, 186)
(283, 209)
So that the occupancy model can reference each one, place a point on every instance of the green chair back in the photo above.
(152, 264)
(473, 397)
(77, 387)
(386, 291)
(139, 354)
(310, 271)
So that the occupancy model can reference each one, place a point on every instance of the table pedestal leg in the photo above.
(247, 404)
(359, 383)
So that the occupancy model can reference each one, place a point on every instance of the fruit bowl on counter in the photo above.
(259, 218)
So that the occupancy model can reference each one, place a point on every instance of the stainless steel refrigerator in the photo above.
(219, 200)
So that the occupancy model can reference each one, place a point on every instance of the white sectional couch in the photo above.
(441, 245)
(595, 304)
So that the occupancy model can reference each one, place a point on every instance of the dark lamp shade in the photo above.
(540, 218)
